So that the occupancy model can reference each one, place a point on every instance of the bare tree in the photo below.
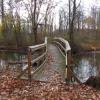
(69, 11)
(79, 19)
(72, 19)
(2, 10)
(60, 21)
(38, 12)
(93, 14)
(63, 20)
(48, 14)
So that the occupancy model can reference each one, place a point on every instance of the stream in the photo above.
(9, 57)
(87, 65)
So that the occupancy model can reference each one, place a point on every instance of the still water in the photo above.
(87, 65)
(5, 58)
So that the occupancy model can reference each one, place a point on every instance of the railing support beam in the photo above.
(69, 74)
(29, 64)
(68, 65)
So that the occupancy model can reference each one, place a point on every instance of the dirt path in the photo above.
(54, 65)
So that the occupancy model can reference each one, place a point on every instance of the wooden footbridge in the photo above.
(60, 50)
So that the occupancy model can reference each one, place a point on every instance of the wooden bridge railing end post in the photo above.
(29, 64)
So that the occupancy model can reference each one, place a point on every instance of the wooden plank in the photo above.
(40, 66)
(36, 47)
(65, 42)
(17, 62)
(29, 64)
(69, 72)
(30, 61)
(40, 57)
(60, 45)
(22, 72)
(61, 51)
(25, 68)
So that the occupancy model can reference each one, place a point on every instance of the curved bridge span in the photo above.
(53, 58)
(55, 64)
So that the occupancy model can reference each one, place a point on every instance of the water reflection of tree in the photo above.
(86, 67)
(97, 63)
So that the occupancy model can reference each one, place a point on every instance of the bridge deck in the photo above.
(54, 65)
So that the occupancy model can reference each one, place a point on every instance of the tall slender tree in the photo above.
(71, 25)
(2, 10)
(72, 20)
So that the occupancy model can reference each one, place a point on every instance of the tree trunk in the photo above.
(2, 16)
(71, 26)
(34, 22)
(78, 23)
(2, 10)
(69, 12)
(35, 35)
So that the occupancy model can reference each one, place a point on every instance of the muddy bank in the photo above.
(94, 82)
(79, 49)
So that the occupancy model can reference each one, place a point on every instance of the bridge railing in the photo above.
(64, 47)
(31, 60)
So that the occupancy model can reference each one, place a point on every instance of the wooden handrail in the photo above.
(68, 57)
(31, 61)
(60, 45)
(36, 47)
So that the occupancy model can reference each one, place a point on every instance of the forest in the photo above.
(49, 50)
(26, 22)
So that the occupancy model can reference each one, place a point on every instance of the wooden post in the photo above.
(69, 61)
(46, 46)
(29, 64)
(68, 65)
(46, 42)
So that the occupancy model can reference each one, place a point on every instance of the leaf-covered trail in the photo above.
(55, 89)
(16, 89)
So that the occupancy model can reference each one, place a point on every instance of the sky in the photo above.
(86, 4)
